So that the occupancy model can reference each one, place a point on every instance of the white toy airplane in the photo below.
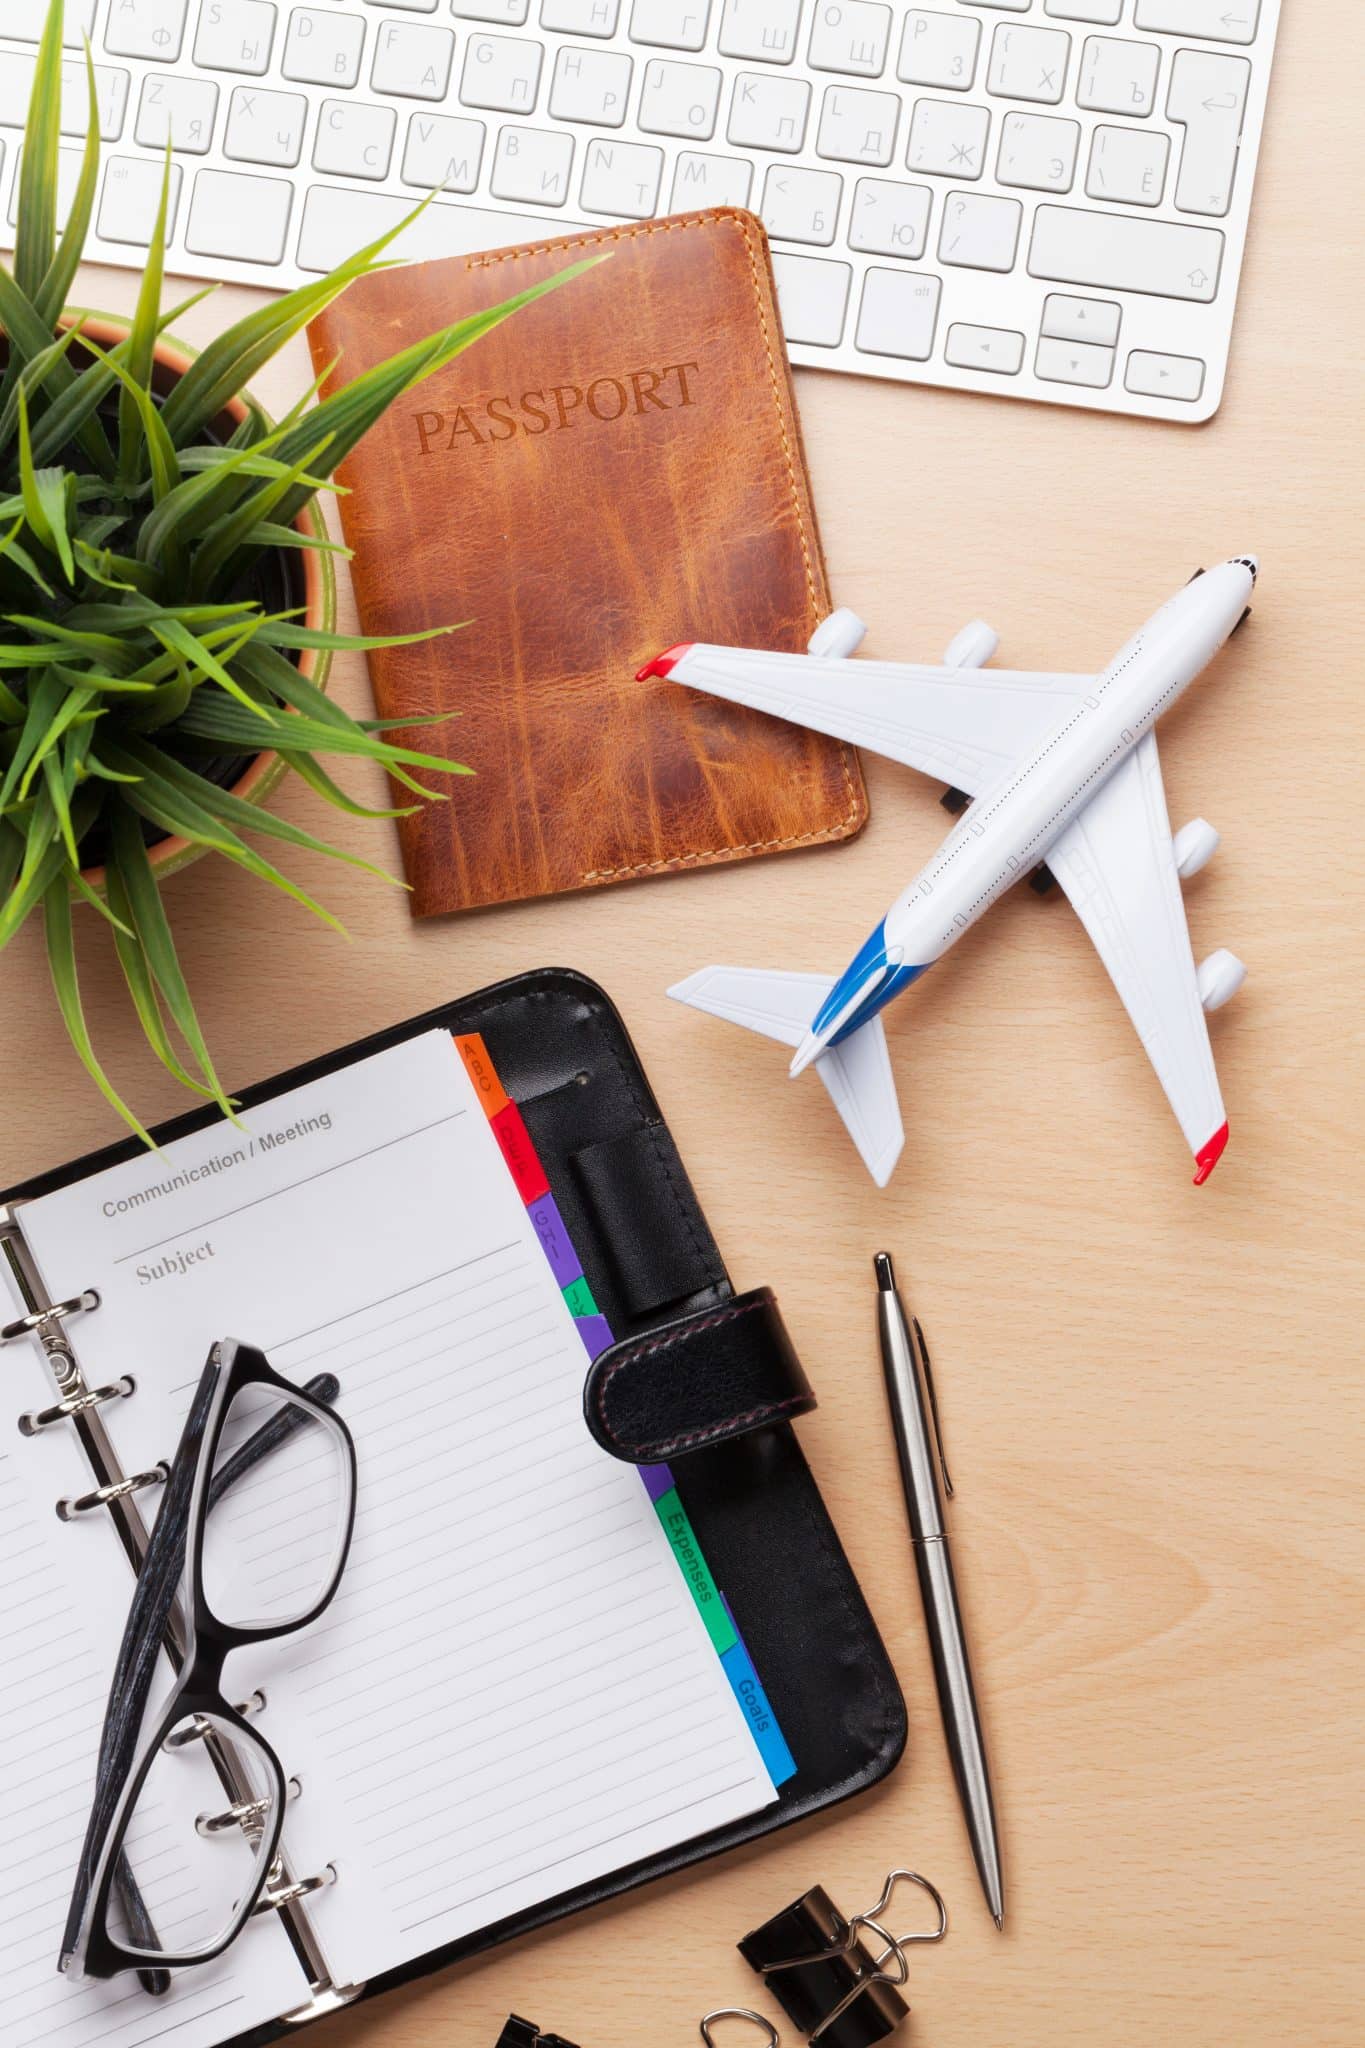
(1063, 771)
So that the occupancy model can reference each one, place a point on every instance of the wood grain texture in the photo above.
(1152, 1395)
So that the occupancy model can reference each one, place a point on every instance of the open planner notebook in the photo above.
(515, 1691)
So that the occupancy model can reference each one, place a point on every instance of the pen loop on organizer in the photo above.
(895, 1947)
(933, 1403)
(737, 2012)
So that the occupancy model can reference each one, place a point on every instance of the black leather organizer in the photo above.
(699, 1377)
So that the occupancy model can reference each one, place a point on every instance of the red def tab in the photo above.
(520, 1154)
(482, 1072)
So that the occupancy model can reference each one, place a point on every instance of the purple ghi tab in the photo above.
(595, 1332)
(555, 1239)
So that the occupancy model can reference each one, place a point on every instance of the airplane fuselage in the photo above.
(1007, 830)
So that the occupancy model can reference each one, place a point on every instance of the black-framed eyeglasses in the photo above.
(256, 1518)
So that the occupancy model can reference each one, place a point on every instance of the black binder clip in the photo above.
(836, 1987)
(520, 2033)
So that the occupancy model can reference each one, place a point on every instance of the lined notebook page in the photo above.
(513, 1693)
(64, 1594)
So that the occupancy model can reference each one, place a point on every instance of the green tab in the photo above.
(578, 1294)
(687, 1550)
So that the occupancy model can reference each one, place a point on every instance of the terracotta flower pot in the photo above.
(305, 571)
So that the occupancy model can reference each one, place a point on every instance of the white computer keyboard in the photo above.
(1046, 198)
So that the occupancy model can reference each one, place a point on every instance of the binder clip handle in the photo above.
(737, 2012)
(840, 1991)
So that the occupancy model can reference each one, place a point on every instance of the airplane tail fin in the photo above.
(856, 1072)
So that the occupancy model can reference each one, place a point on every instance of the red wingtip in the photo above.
(1208, 1156)
(662, 664)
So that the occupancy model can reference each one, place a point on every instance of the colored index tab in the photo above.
(578, 1294)
(520, 1154)
(686, 1549)
(482, 1072)
(554, 1241)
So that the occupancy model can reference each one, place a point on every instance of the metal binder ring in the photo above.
(196, 1729)
(55, 1313)
(286, 1894)
(105, 1496)
(242, 1814)
(737, 2012)
(74, 1404)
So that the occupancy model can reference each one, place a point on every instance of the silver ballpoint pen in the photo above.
(914, 1415)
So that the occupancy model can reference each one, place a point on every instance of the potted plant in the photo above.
(167, 610)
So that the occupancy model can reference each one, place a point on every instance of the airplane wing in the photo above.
(857, 1073)
(963, 726)
(1116, 863)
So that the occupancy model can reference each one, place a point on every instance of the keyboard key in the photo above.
(234, 35)
(948, 137)
(710, 181)
(1125, 253)
(265, 127)
(1208, 95)
(1005, 6)
(580, 17)
(24, 19)
(323, 48)
(858, 127)
(768, 112)
(338, 220)
(441, 149)
(511, 13)
(1000, 349)
(938, 49)
(407, 6)
(850, 35)
(1117, 77)
(812, 294)
(676, 24)
(591, 85)
(1103, 13)
(1068, 319)
(502, 72)
(898, 314)
(141, 28)
(111, 90)
(130, 198)
(534, 164)
(801, 206)
(1028, 63)
(354, 140)
(413, 59)
(621, 177)
(889, 219)
(980, 232)
(761, 29)
(179, 109)
(1128, 165)
(1037, 152)
(1159, 376)
(679, 99)
(241, 217)
(1074, 362)
(68, 176)
(1213, 21)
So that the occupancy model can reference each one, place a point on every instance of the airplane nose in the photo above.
(1248, 562)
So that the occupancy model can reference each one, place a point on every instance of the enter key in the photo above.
(1208, 94)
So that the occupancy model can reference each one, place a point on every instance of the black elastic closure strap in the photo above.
(715, 1374)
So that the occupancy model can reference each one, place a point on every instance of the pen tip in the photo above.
(882, 1267)
(999, 1920)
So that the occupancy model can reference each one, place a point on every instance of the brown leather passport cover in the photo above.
(615, 468)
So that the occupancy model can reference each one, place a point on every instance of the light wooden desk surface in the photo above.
(1152, 1395)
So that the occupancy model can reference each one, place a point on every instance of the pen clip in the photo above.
(933, 1404)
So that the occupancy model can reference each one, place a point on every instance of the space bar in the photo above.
(337, 222)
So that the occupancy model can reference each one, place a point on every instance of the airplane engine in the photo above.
(1194, 846)
(1220, 977)
(841, 634)
(973, 647)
